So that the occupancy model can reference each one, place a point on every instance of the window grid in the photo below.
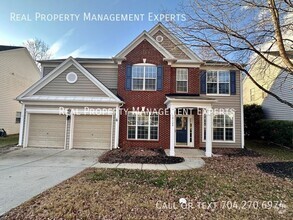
(142, 126)
(181, 80)
(222, 127)
(144, 77)
(18, 117)
(218, 82)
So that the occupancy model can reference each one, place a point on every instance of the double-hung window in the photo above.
(142, 126)
(144, 77)
(218, 82)
(223, 127)
(181, 80)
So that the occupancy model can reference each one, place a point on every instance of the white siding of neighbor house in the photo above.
(273, 109)
(232, 101)
(82, 87)
(18, 72)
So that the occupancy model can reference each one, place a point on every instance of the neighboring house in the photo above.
(18, 71)
(154, 93)
(275, 80)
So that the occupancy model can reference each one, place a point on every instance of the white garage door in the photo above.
(92, 132)
(46, 130)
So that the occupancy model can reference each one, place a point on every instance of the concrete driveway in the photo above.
(27, 172)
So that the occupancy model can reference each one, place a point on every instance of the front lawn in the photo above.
(227, 187)
(270, 150)
(9, 140)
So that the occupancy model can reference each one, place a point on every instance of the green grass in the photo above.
(269, 150)
(9, 140)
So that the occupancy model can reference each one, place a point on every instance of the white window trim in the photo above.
(149, 126)
(218, 84)
(182, 81)
(218, 141)
(143, 87)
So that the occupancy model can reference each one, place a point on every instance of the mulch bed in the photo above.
(139, 155)
(279, 169)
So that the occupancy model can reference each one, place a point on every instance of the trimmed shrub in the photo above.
(276, 131)
(252, 113)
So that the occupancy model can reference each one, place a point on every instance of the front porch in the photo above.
(187, 152)
(175, 102)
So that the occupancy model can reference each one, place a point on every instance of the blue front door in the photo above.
(181, 130)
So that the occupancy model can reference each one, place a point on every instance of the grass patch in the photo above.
(135, 194)
(270, 150)
(9, 140)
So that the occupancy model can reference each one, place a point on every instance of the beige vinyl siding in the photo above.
(82, 87)
(91, 131)
(18, 72)
(46, 130)
(107, 76)
(232, 101)
(171, 47)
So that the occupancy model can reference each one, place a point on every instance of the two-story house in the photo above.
(18, 71)
(154, 93)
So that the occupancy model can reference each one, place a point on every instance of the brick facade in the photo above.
(152, 99)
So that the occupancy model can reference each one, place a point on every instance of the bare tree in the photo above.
(240, 31)
(38, 49)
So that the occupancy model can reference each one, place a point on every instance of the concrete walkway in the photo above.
(189, 163)
(192, 160)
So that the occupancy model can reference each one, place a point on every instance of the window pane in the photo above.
(212, 76)
(154, 119)
(131, 119)
(224, 76)
(181, 74)
(131, 132)
(229, 134)
(137, 84)
(224, 88)
(212, 88)
(142, 119)
(151, 72)
(142, 132)
(181, 86)
(218, 133)
(150, 84)
(229, 120)
(219, 121)
(137, 71)
(154, 133)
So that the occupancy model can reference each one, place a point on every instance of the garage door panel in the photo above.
(92, 132)
(47, 130)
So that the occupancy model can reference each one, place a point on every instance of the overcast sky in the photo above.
(78, 38)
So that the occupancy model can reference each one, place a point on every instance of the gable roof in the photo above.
(144, 36)
(57, 71)
(176, 41)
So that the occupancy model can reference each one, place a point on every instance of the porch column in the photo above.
(117, 118)
(172, 131)
(209, 132)
(21, 130)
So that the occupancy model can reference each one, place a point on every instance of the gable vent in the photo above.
(71, 77)
(159, 38)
